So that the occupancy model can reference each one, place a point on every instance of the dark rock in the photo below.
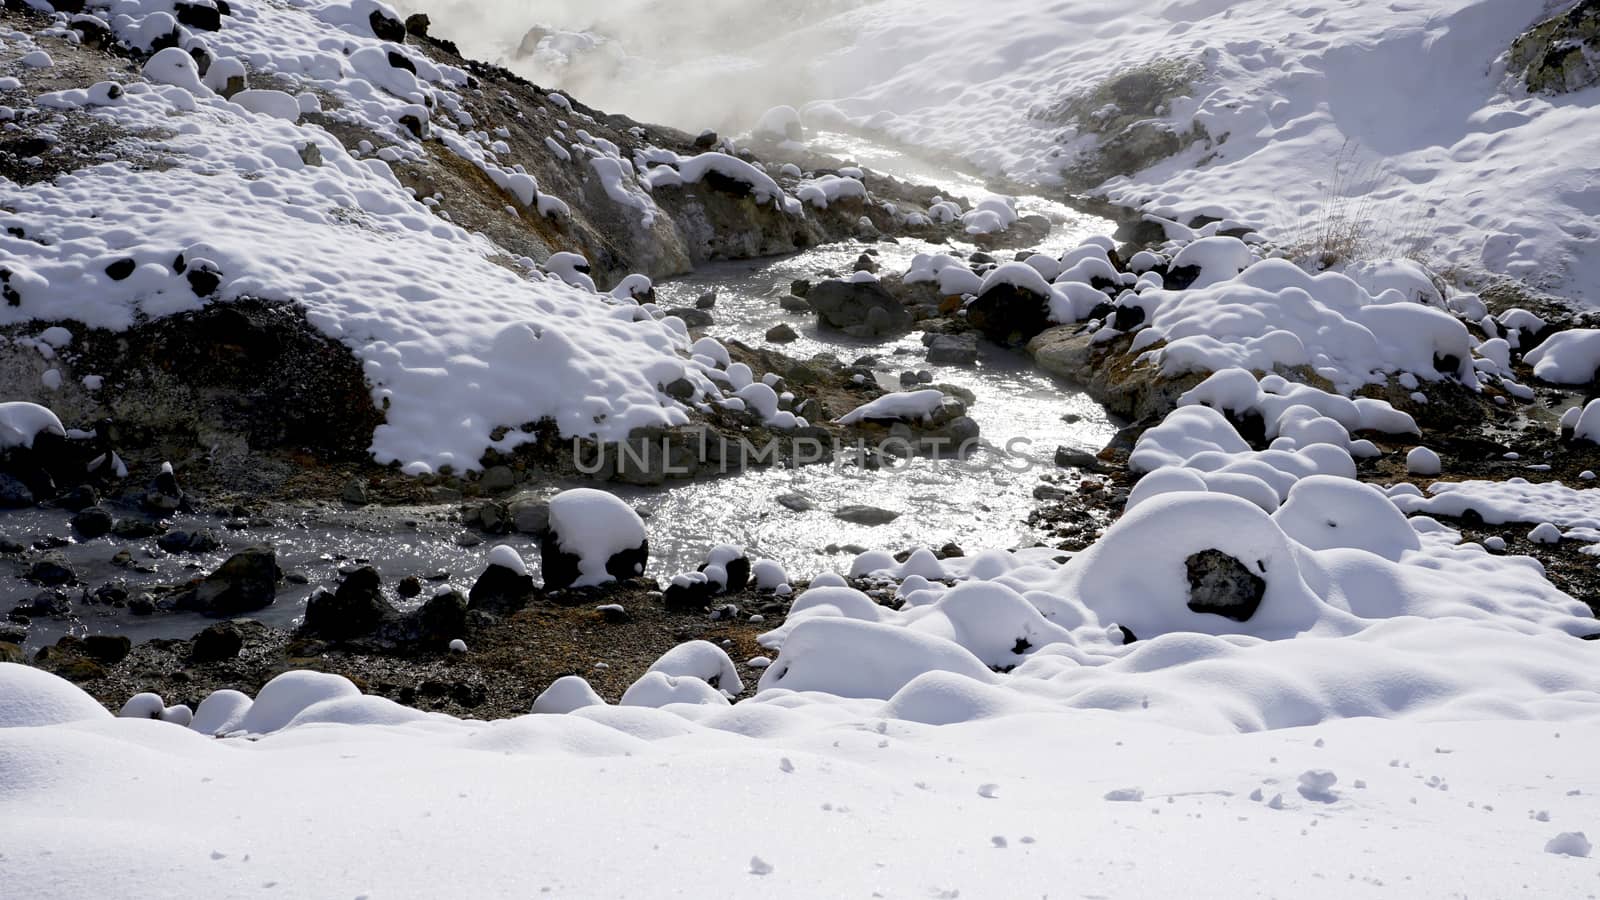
(706, 300)
(409, 586)
(14, 494)
(792, 303)
(705, 140)
(217, 642)
(164, 495)
(51, 569)
(200, 16)
(529, 515)
(688, 595)
(800, 287)
(679, 389)
(1220, 584)
(953, 349)
(417, 125)
(354, 609)
(204, 277)
(355, 492)
(11, 652)
(136, 529)
(80, 669)
(201, 541)
(79, 498)
(1127, 317)
(13, 633)
(862, 309)
(950, 551)
(782, 334)
(47, 603)
(109, 649)
(142, 605)
(692, 316)
(386, 28)
(561, 568)
(1009, 315)
(865, 515)
(500, 590)
(121, 268)
(441, 619)
(417, 24)
(1073, 458)
(796, 502)
(399, 60)
(1561, 53)
(247, 581)
(615, 614)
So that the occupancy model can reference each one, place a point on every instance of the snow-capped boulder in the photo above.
(1013, 304)
(658, 689)
(1324, 511)
(566, 694)
(703, 660)
(593, 538)
(504, 585)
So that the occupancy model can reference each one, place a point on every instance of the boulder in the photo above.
(865, 515)
(1009, 315)
(1220, 584)
(217, 642)
(108, 649)
(247, 581)
(501, 589)
(92, 523)
(952, 349)
(782, 333)
(14, 494)
(354, 609)
(1562, 53)
(51, 569)
(859, 308)
(441, 619)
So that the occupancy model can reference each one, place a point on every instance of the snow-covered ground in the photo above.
(1398, 119)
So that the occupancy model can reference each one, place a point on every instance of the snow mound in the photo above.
(30, 698)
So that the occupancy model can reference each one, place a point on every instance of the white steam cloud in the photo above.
(706, 64)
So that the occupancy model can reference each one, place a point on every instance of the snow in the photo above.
(507, 557)
(829, 189)
(1512, 500)
(453, 344)
(1567, 357)
(692, 169)
(1422, 461)
(21, 422)
(904, 406)
(594, 526)
(566, 694)
(30, 698)
(703, 660)
(1275, 314)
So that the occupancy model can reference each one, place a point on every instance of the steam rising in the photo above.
(710, 64)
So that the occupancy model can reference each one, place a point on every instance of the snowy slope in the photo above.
(1398, 116)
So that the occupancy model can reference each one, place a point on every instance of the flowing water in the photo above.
(979, 502)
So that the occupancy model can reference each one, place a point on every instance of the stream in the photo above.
(979, 502)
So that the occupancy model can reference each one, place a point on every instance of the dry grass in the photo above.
(1359, 218)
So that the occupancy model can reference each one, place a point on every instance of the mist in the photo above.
(715, 64)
